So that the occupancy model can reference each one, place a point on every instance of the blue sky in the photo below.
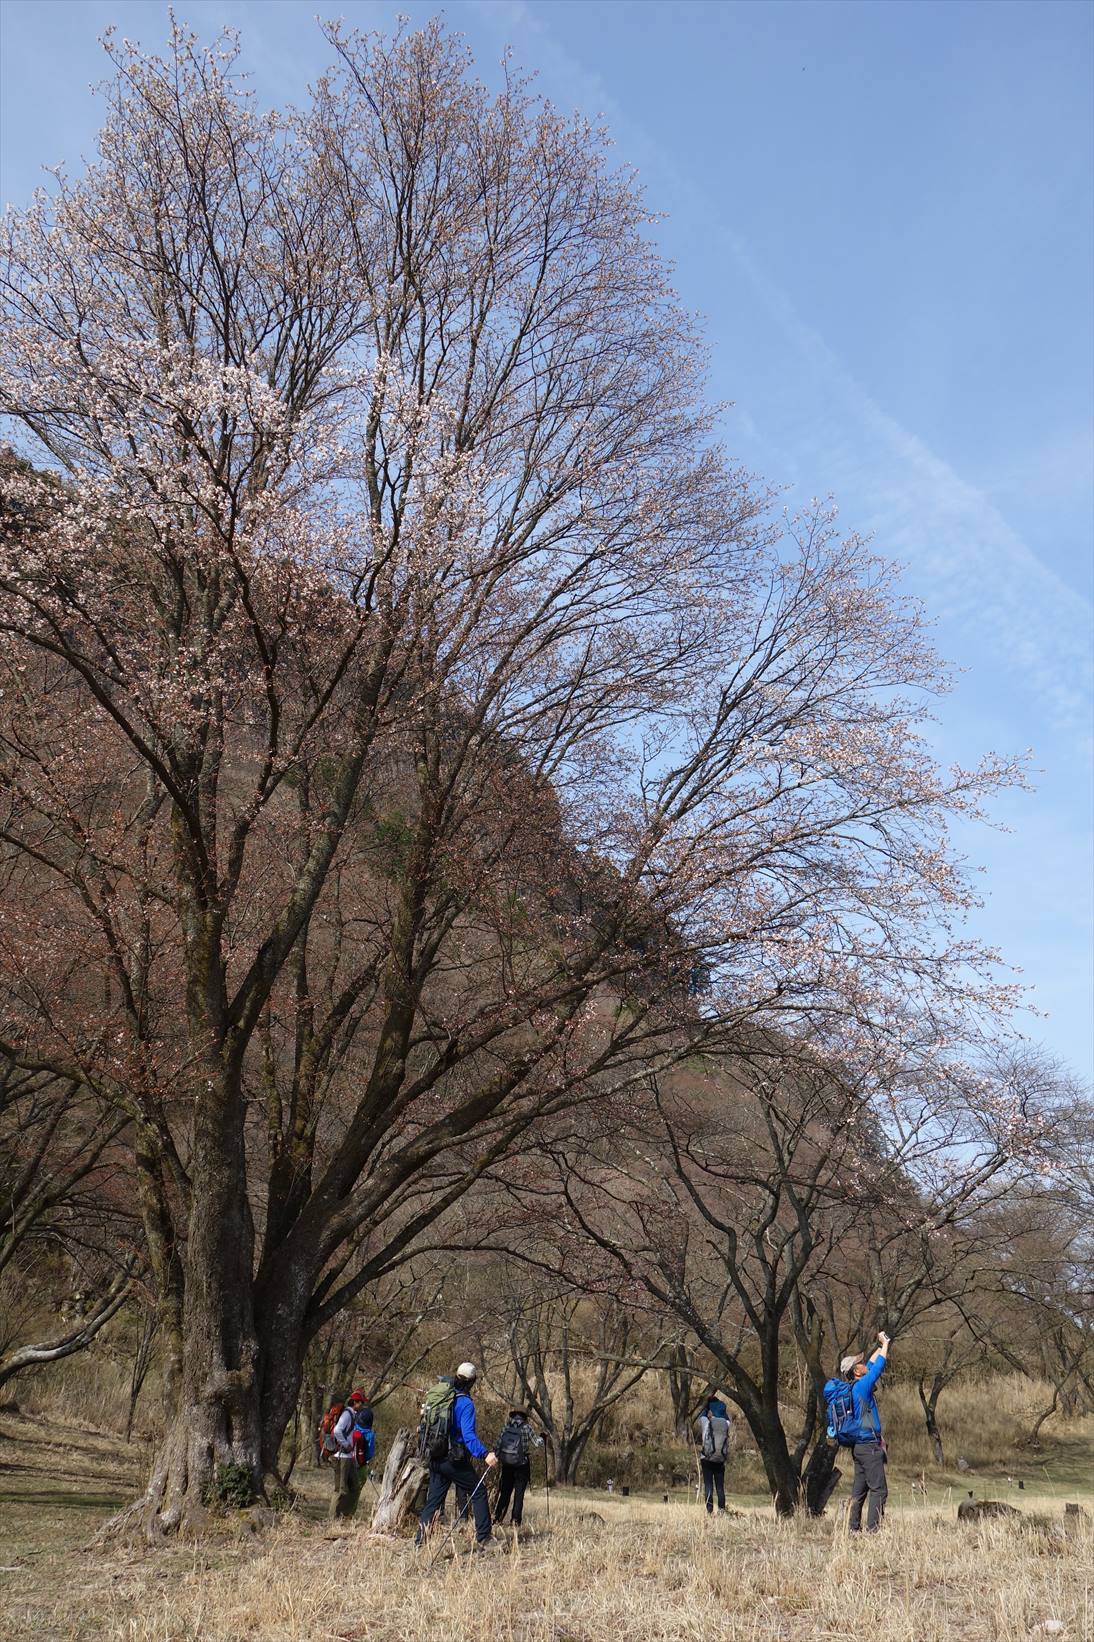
(884, 211)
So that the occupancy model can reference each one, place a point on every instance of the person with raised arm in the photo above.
(868, 1449)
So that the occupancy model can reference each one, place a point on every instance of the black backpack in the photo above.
(513, 1443)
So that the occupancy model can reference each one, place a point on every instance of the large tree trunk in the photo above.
(281, 1302)
(783, 1476)
(215, 1421)
(404, 1478)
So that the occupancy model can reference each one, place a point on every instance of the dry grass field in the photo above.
(603, 1568)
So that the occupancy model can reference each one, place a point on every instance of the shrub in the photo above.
(230, 1488)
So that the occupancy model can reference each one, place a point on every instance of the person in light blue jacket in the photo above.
(869, 1450)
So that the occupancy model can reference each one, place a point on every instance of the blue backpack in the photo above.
(364, 1442)
(844, 1425)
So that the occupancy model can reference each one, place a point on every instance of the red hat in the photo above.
(357, 1397)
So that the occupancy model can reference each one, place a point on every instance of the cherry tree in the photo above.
(407, 708)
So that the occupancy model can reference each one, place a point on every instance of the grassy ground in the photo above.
(643, 1570)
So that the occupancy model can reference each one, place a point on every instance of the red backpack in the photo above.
(327, 1445)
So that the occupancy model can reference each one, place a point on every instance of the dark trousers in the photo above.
(514, 1480)
(869, 1479)
(442, 1475)
(714, 1477)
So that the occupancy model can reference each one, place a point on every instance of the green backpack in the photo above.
(435, 1425)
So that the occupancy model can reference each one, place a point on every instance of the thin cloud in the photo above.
(982, 573)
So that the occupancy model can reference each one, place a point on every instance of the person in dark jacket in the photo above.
(712, 1429)
(869, 1452)
(514, 1459)
(456, 1468)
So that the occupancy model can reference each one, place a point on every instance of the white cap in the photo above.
(467, 1371)
(848, 1363)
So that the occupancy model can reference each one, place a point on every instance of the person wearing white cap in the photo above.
(869, 1449)
(454, 1466)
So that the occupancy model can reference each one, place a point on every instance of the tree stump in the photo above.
(403, 1480)
(976, 1510)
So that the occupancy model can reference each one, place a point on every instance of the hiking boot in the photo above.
(485, 1547)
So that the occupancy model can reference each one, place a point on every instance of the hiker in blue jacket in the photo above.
(455, 1467)
(869, 1450)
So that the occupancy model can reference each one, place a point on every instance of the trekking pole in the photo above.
(459, 1518)
(547, 1484)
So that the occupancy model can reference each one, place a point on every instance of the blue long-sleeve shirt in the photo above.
(463, 1418)
(862, 1395)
